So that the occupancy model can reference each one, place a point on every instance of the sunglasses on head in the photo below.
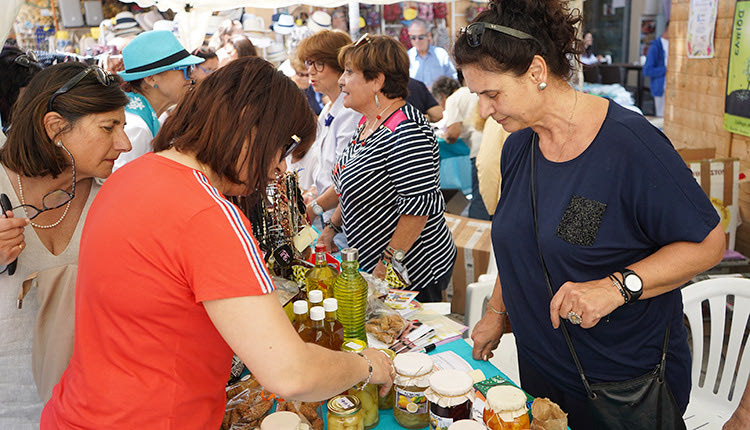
(291, 146)
(105, 78)
(25, 60)
(363, 40)
(419, 37)
(475, 31)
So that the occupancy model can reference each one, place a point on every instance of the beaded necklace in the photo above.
(20, 194)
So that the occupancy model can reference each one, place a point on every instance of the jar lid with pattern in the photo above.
(344, 405)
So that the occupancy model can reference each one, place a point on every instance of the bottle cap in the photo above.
(317, 313)
(353, 345)
(300, 307)
(349, 254)
(343, 405)
(320, 247)
(330, 305)
(315, 296)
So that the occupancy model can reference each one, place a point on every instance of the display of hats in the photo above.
(154, 52)
(284, 25)
(164, 25)
(125, 24)
(275, 53)
(410, 13)
(319, 21)
(146, 20)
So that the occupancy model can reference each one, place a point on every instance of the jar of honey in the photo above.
(413, 372)
(451, 396)
(506, 409)
(344, 413)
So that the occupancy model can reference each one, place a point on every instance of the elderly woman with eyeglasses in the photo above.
(67, 129)
(158, 72)
(598, 225)
(387, 177)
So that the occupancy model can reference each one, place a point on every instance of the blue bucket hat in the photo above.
(154, 52)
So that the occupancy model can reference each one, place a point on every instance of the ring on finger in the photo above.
(574, 318)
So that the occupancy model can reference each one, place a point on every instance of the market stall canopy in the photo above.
(8, 14)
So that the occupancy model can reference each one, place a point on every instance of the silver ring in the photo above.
(574, 318)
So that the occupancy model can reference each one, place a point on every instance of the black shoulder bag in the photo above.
(645, 402)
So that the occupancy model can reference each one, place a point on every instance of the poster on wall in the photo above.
(701, 26)
(737, 104)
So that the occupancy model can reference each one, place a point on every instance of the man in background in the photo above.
(656, 68)
(427, 62)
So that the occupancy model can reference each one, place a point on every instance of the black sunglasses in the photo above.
(104, 78)
(475, 31)
(291, 146)
(25, 60)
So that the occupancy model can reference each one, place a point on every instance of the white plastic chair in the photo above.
(477, 294)
(714, 397)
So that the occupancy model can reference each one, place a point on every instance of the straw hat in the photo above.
(275, 53)
(154, 52)
(284, 25)
(319, 21)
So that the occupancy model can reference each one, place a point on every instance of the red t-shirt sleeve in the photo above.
(221, 257)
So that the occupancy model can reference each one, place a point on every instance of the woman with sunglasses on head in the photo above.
(388, 178)
(67, 129)
(154, 337)
(598, 224)
(157, 73)
(336, 123)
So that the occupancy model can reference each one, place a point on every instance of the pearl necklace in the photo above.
(20, 194)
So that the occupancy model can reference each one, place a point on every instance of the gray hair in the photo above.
(419, 21)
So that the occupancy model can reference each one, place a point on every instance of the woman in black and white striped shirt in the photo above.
(388, 176)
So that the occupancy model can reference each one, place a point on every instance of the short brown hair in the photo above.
(380, 54)
(247, 96)
(29, 150)
(243, 46)
(324, 46)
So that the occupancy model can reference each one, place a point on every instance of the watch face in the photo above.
(399, 255)
(633, 282)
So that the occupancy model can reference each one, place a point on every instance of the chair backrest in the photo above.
(610, 74)
(712, 322)
(591, 74)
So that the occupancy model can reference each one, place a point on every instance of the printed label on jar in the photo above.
(439, 423)
(411, 402)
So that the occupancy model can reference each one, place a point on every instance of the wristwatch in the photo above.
(396, 254)
(317, 209)
(632, 283)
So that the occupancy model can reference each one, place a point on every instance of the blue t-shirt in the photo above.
(628, 194)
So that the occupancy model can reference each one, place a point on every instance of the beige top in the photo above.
(20, 406)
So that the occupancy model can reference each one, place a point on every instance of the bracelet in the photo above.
(489, 305)
(369, 376)
(333, 226)
(617, 284)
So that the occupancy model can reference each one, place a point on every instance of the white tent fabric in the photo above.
(8, 14)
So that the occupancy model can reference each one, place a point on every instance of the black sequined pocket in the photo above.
(581, 220)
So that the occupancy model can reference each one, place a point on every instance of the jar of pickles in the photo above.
(413, 372)
(367, 395)
(387, 401)
(506, 409)
(344, 413)
(451, 396)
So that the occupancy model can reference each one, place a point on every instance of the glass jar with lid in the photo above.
(506, 408)
(344, 413)
(451, 396)
(413, 372)
(467, 425)
(284, 420)
(387, 401)
(367, 395)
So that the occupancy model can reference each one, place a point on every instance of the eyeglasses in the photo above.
(418, 37)
(303, 75)
(25, 60)
(52, 200)
(204, 70)
(365, 39)
(291, 146)
(318, 65)
(186, 71)
(104, 78)
(475, 31)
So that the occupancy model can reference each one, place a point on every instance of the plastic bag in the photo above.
(246, 405)
(383, 322)
(309, 412)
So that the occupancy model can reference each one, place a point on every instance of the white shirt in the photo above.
(460, 107)
(140, 139)
(665, 45)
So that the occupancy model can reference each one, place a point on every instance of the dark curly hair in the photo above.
(547, 20)
(13, 77)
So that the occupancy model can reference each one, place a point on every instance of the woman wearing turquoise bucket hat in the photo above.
(157, 72)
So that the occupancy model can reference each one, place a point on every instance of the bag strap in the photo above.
(564, 328)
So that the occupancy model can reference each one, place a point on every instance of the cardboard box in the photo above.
(719, 178)
(472, 238)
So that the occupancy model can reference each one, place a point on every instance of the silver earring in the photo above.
(59, 143)
(377, 101)
(542, 86)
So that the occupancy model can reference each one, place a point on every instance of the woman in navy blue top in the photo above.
(613, 198)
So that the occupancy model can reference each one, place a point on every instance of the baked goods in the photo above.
(386, 327)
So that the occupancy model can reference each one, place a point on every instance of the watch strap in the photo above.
(333, 226)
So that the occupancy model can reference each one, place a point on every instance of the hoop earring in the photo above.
(542, 86)
(377, 101)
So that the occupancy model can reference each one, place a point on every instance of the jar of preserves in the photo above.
(451, 397)
(344, 413)
(387, 401)
(467, 425)
(413, 372)
(284, 420)
(506, 409)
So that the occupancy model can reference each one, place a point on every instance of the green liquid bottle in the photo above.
(322, 276)
(350, 290)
